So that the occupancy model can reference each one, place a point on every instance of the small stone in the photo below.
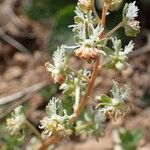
(13, 73)
(21, 59)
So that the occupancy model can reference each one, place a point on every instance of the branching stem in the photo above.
(115, 29)
(90, 88)
(94, 74)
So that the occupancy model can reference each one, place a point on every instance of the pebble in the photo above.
(13, 73)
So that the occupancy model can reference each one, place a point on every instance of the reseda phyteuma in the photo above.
(95, 45)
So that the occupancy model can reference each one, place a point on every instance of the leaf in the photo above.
(101, 43)
(67, 104)
(105, 99)
(130, 139)
(107, 50)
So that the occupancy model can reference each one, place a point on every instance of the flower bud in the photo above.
(85, 5)
(120, 66)
(132, 28)
(87, 53)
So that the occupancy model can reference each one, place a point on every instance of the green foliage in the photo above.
(67, 104)
(130, 139)
(61, 15)
(42, 9)
(60, 32)
(9, 142)
(48, 92)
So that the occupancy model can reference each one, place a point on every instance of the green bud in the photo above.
(132, 28)
(85, 5)
(120, 66)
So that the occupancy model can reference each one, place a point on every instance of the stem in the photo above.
(95, 12)
(77, 97)
(94, 74)
(89, 90)
(115, 29)
(104, 13)
(35, 131)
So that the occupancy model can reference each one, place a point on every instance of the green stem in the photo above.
(115, 29)
(35, 131)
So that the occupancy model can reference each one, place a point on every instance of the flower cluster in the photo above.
(113, 4)
(114, 106)
(131, 25)
(87, 35)
(16, 123)
(85, 5)
(57, 121)
(117, 58)
(60, 65)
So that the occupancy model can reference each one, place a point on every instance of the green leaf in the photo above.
(107, 50)
(130, 139)
(131, 31)
(77, 19)
(101, 43)
(105, 99)
(67, 104)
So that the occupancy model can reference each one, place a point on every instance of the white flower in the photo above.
(118, 94)
(117, 45)
(128, 48)
(14, 124)
(132, 11)
(60, 60)
(54, 122)
(96, 32)
(52, 108)
(52, 125)
(114, 106)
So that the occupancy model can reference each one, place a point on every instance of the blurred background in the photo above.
(30, 30)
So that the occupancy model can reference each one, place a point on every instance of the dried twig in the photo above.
(7, 10)
(18, 103)
(13, 42)
(22, 93)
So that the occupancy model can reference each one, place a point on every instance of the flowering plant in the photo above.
(99, 48)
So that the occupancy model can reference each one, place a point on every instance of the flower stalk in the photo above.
(111, 32)
(34, 130)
